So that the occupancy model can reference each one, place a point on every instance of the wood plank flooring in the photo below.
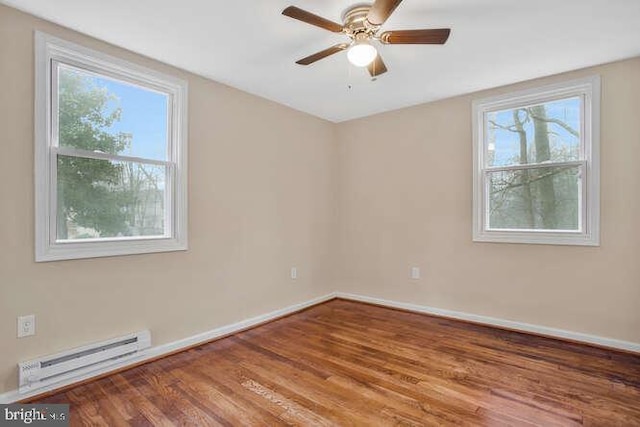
(348, 363)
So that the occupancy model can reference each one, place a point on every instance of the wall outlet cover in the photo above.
(26, 325)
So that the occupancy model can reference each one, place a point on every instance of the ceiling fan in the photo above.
(362, 24)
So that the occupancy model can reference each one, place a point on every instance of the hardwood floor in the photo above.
(348, 363)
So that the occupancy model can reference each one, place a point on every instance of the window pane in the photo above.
(100, 114)
(103, 198)
(534, 134)
(546, 198)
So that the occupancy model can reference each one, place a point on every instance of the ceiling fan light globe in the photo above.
(362, 54)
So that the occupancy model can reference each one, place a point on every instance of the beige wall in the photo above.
(260, 200)
(406, 200)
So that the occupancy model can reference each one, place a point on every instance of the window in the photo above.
(111, 150)
(536, 166)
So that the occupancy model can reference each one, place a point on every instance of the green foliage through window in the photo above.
(102, 198)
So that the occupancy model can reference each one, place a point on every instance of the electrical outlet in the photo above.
(415, 273)
(26, 325)
(294, 273)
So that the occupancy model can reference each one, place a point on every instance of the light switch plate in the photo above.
(415, 273)
(294, 273)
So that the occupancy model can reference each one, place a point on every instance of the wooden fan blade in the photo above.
(438, 36)
(322, 54)
(310, 18)
(381, 10)
(377, 67)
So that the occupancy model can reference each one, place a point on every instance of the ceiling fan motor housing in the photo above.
(356, 24)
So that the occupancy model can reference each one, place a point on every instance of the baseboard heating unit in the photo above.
(46, 371)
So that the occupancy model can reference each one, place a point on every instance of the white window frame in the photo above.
(588, 89)
(50, 51)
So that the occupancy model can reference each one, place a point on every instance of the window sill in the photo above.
(537, 238)
(79, 250)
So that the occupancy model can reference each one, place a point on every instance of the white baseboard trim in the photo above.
(492, 321)
(154, 352)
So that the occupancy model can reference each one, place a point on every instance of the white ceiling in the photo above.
(251, 46)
